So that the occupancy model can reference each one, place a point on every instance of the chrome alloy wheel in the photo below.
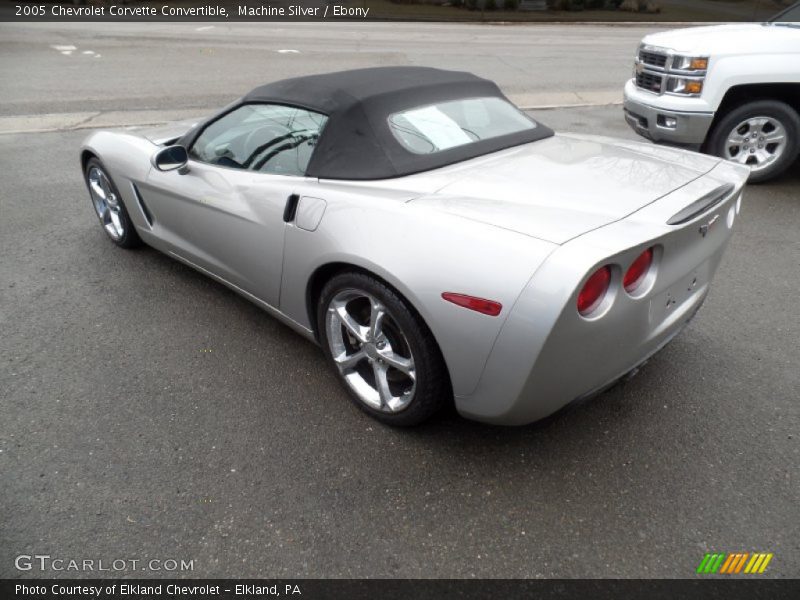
(756, 142)
(370, 351)
(106, 203)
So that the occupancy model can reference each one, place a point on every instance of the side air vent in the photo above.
(700, 206)
(142, 206)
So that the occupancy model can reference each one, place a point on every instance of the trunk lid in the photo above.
(567, 185)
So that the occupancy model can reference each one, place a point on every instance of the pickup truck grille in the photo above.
(658, 71)
(651, 82)
(654, 59)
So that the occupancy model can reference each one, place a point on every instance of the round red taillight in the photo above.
(637, 271)
(594, 290)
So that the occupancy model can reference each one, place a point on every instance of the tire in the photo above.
(733, 138)
(109, 206)
(395, 372)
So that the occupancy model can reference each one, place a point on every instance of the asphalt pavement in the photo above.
(149, 413)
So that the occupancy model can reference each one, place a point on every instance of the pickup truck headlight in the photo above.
(685, 86)
(690, 63)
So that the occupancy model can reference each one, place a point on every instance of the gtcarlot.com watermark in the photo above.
(47, 563)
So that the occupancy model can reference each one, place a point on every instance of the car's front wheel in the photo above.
(764, 135)
(109, 207)
(381, 349)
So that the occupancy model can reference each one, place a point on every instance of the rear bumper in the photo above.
(547, 355)
(686, 128)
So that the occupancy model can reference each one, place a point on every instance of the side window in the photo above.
(268, 138)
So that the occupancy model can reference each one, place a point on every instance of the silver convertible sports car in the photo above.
(437, 242)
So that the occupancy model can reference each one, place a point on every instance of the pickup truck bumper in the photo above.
(661, 125)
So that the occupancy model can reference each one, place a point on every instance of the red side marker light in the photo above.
(481, 305)
(594, 290)
(637, 271)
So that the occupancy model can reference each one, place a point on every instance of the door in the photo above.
(224, 212)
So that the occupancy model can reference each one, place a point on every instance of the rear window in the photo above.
(438, 127)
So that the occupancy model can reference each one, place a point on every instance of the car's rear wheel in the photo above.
(381, 349)
(109, 207)
(763, 135)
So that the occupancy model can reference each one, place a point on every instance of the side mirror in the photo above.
(171, 158)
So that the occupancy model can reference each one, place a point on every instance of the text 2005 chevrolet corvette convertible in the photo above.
(438, 243)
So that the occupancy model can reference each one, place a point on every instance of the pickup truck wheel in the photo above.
(764, 135)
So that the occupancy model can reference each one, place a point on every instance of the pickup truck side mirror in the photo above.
(171, 158)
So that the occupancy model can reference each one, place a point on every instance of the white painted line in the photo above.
(88, 52)
(63, 48)
(206, 28)
(66, 52)
(288, 51)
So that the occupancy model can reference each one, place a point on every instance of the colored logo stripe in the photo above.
(732, 559)
(729, 564)
(741, 562)
(758, 563)
(710, 563)
(734, 563)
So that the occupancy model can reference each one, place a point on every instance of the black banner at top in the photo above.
(610, 11)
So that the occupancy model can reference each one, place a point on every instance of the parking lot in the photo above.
(150, 413)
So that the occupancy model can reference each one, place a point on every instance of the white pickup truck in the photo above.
(728, 90)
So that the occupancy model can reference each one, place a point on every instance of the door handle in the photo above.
(290, 210)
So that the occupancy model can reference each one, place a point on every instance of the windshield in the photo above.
(788, 18)
(438, 127)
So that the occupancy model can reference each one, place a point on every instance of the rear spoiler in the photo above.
(700, 206)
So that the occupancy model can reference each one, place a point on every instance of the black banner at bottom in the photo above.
(391, 589)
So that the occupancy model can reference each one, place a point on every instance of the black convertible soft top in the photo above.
(356, 142)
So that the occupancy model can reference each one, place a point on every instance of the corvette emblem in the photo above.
(706, 227)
